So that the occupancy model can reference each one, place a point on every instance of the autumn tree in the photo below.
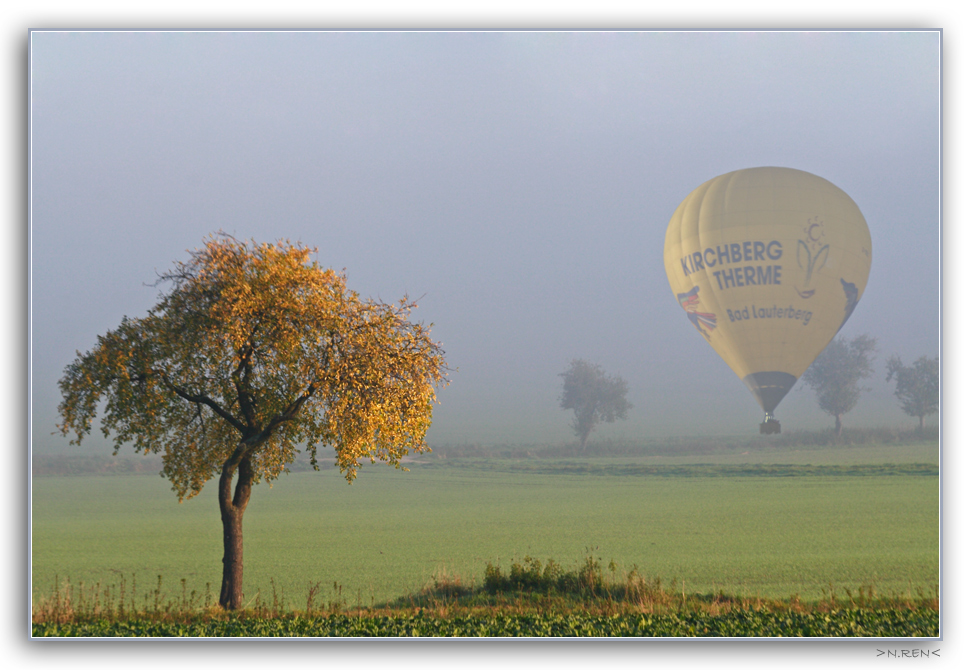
(253, 351)
(593, 396)
(836, 374)
(916, 386)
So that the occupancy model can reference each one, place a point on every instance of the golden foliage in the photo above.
(256, 350)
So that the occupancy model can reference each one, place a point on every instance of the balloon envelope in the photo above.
(768, 263)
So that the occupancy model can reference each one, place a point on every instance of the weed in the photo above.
(312, 591)
(337, 603)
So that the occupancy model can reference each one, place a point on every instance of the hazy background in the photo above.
(519, 183)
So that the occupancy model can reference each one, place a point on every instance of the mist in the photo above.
(518, 185)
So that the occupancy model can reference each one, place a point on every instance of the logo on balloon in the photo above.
(811, 255)
(690, 303)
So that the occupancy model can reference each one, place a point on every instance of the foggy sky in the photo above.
(519, 184)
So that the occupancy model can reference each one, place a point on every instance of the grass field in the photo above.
(762, 523)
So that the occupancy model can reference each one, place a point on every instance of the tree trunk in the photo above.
(231, 511)
(921, 423)
(585, 434)
(838, 427)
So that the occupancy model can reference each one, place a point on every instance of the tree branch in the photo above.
(289, 413)
(242, 386)
(205, 400)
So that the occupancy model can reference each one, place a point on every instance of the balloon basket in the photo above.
(769, 427)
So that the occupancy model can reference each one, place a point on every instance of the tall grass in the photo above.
(72, 603)
(529, 586)
(533, 585)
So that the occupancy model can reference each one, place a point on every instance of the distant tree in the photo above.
(254, 351)
(593, 396)
(836, 374)
(916, 386)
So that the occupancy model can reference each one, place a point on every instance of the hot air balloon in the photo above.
(768, 264)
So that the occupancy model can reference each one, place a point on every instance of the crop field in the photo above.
(799, 522)
(842, 623)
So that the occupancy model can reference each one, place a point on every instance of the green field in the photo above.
(769, 523)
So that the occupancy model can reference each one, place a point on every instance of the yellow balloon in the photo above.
(768, 264)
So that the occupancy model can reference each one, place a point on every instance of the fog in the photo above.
(518, 184)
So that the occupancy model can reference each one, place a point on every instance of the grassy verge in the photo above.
(880, 445)
(534, 599)
(821, 441)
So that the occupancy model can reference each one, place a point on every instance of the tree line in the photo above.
(835, 377)
(837, 373)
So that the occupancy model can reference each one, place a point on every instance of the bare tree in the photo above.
(594, 397)
(836, 374)
(916, 386)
